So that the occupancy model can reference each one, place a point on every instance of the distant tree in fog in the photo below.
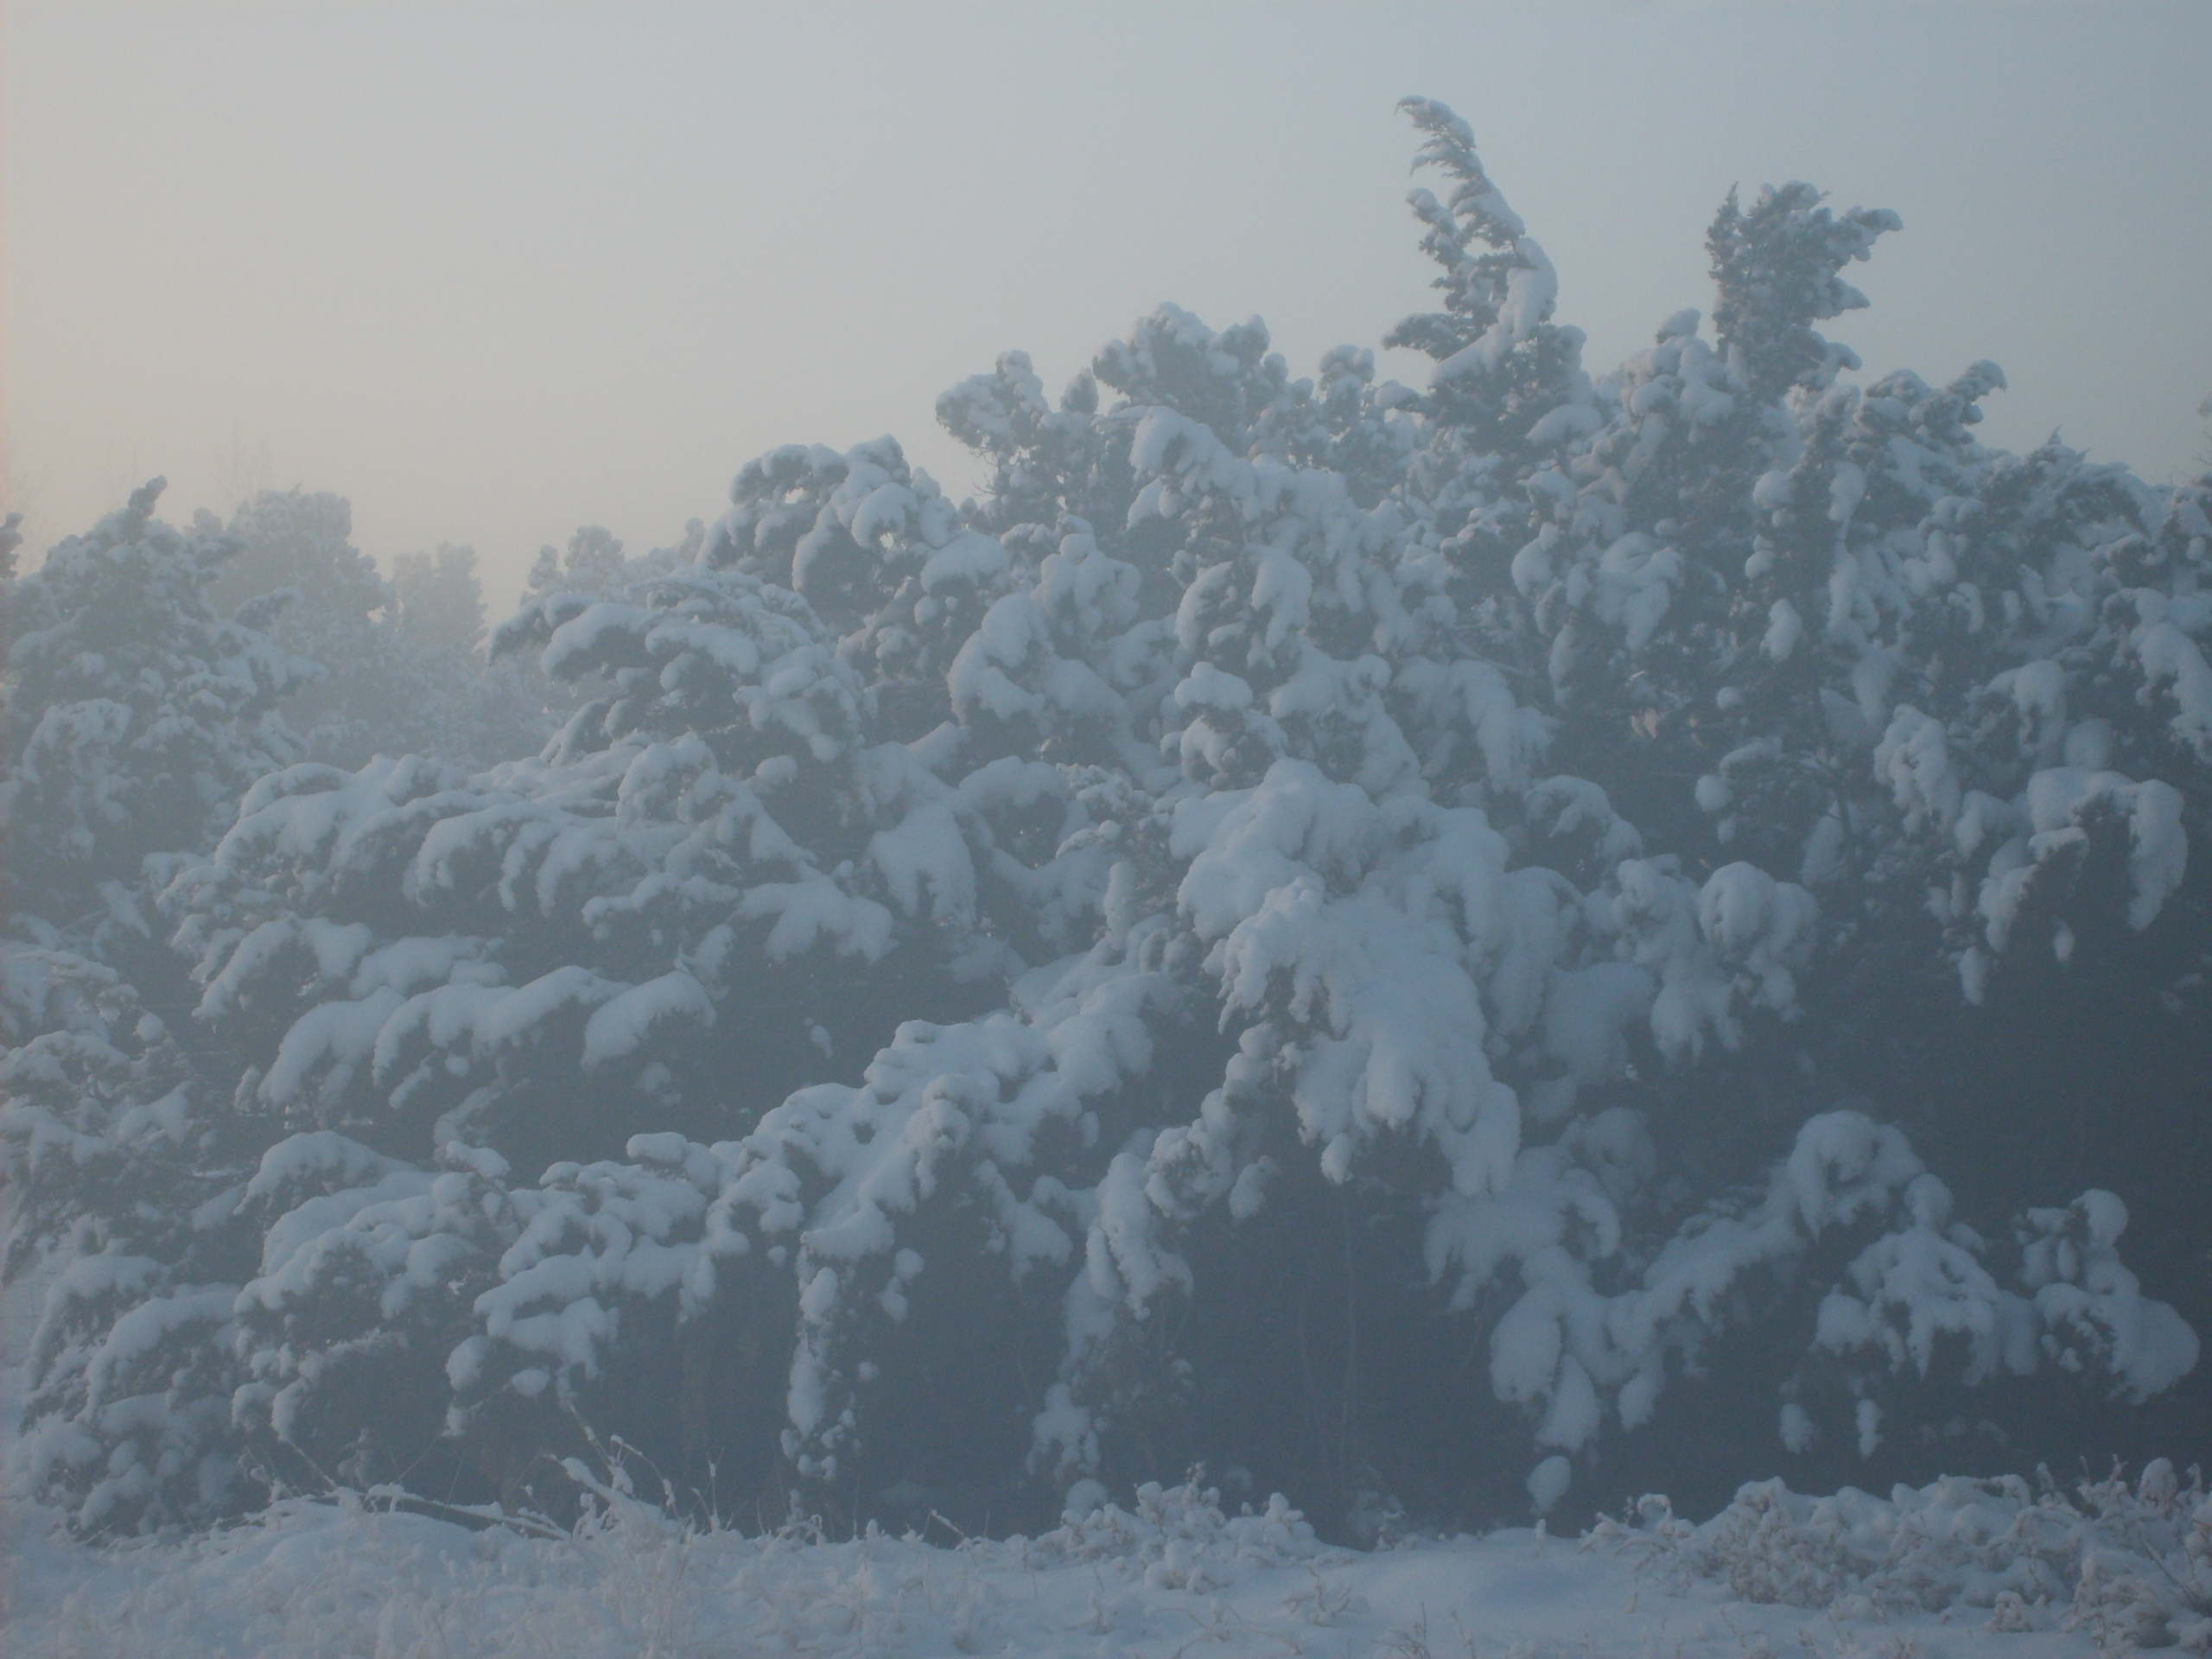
(1437, 949)
(594, 565)
(400, 672)
(436, 599)
(324, 601)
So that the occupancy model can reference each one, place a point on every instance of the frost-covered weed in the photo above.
(1966, 1568)
(382, 1575)
(2128, 1563)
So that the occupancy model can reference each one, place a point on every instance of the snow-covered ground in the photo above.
(1959, 1570)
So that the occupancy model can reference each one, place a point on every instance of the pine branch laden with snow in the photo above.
(1496, 824)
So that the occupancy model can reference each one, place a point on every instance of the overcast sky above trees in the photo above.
(493, 271)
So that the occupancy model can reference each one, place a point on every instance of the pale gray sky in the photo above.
(495, 269)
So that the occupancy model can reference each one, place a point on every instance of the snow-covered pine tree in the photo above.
(1769, 599)
(135, 716)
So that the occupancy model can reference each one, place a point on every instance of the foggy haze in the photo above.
(494, 272)
(1106, 831)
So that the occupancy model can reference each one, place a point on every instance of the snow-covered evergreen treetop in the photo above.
(1342, 928)
(136, 715)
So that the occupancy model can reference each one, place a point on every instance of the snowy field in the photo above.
(1959, 1570)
